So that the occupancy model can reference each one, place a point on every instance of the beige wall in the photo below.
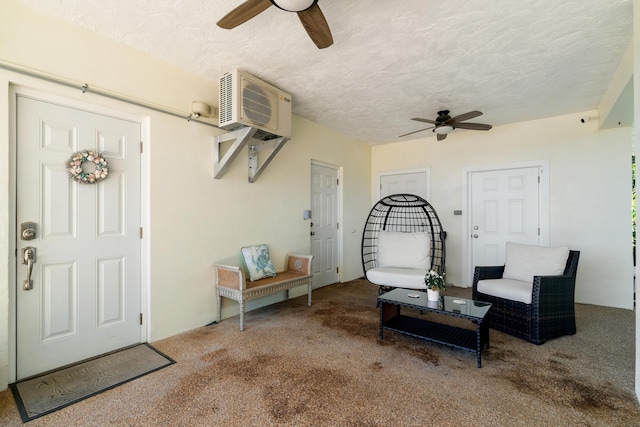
(194, 220)
(590, 192)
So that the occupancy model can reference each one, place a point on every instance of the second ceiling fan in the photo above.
(445, 124)
(308, 11)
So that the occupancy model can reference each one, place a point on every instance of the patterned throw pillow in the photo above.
(258, 263)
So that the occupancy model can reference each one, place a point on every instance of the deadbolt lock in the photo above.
(28, 230)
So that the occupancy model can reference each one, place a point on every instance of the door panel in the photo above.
(505, 206)
(324, 229)
(86, 296)
(410, 183)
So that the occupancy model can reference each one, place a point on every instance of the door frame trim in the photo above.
(97, 105)
(544, 208)
(339, 213)
(427, 183)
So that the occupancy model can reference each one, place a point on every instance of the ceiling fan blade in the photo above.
(315, 24)
(465, 116)
(442, 136)
(415, 131)
(472, 126)
(243, 13)
(417, 119)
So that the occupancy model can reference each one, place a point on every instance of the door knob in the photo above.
(313, 233)
(475, 236)
(28, 258)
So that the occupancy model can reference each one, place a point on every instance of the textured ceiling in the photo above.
(391, 60)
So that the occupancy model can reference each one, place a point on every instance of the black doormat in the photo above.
(46, 393)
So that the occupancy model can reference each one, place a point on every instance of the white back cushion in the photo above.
(403, 250)
(522, 262)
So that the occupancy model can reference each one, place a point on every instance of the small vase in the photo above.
(433, 294)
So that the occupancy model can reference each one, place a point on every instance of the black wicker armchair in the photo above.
(551, 313)
(403, 213)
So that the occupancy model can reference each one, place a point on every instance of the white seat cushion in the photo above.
(409, 278)
(515, 290)
(522, 262)
(403, 250)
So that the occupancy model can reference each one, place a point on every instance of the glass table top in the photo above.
(454, 305)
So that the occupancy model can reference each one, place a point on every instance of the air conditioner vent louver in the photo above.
(248, 101)
(226, 95)
(256, 104)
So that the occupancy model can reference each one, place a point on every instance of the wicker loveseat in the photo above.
(548, 312)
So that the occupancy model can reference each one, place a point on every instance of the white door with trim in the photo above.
(324, 224)
(505, 206)
(85, 297)
(409, 183)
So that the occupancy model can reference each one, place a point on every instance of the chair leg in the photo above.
(309, 297)
(219, 308)
(242, 315)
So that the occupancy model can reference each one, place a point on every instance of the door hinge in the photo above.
(337, 226)
(538, 231)
(337, 181)
(141, 232)
(141, 318)
(141, 147)
(337, 270)
(538, 179)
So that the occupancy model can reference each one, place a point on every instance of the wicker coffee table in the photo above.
(457, 337)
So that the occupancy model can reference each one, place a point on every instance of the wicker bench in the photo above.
(231, 282)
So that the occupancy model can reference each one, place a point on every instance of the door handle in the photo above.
(28, 258)
(475, 236)
(313, 233)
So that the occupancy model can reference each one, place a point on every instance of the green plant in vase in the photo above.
(434, 283)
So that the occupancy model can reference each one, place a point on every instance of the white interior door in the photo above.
(86, 295)
(409, 182)
(505, 206)
(324, 224)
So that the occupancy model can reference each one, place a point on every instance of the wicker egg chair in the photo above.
(405, 213)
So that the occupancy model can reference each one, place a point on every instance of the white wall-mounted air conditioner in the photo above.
(248, 101)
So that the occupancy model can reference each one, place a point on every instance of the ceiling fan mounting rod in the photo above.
(294, 5)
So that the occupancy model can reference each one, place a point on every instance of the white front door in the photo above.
(86, 295)
(505, 206)
(409, 182)
(324, 224)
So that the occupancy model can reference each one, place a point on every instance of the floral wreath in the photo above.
(84, 174)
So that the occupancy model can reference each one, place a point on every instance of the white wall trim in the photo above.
(467, 276)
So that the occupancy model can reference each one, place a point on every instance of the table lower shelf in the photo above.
(464, 339)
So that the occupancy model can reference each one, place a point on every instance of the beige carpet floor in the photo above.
(324, 366)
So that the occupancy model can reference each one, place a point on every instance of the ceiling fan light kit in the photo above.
(294, 5)
(443, 130)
